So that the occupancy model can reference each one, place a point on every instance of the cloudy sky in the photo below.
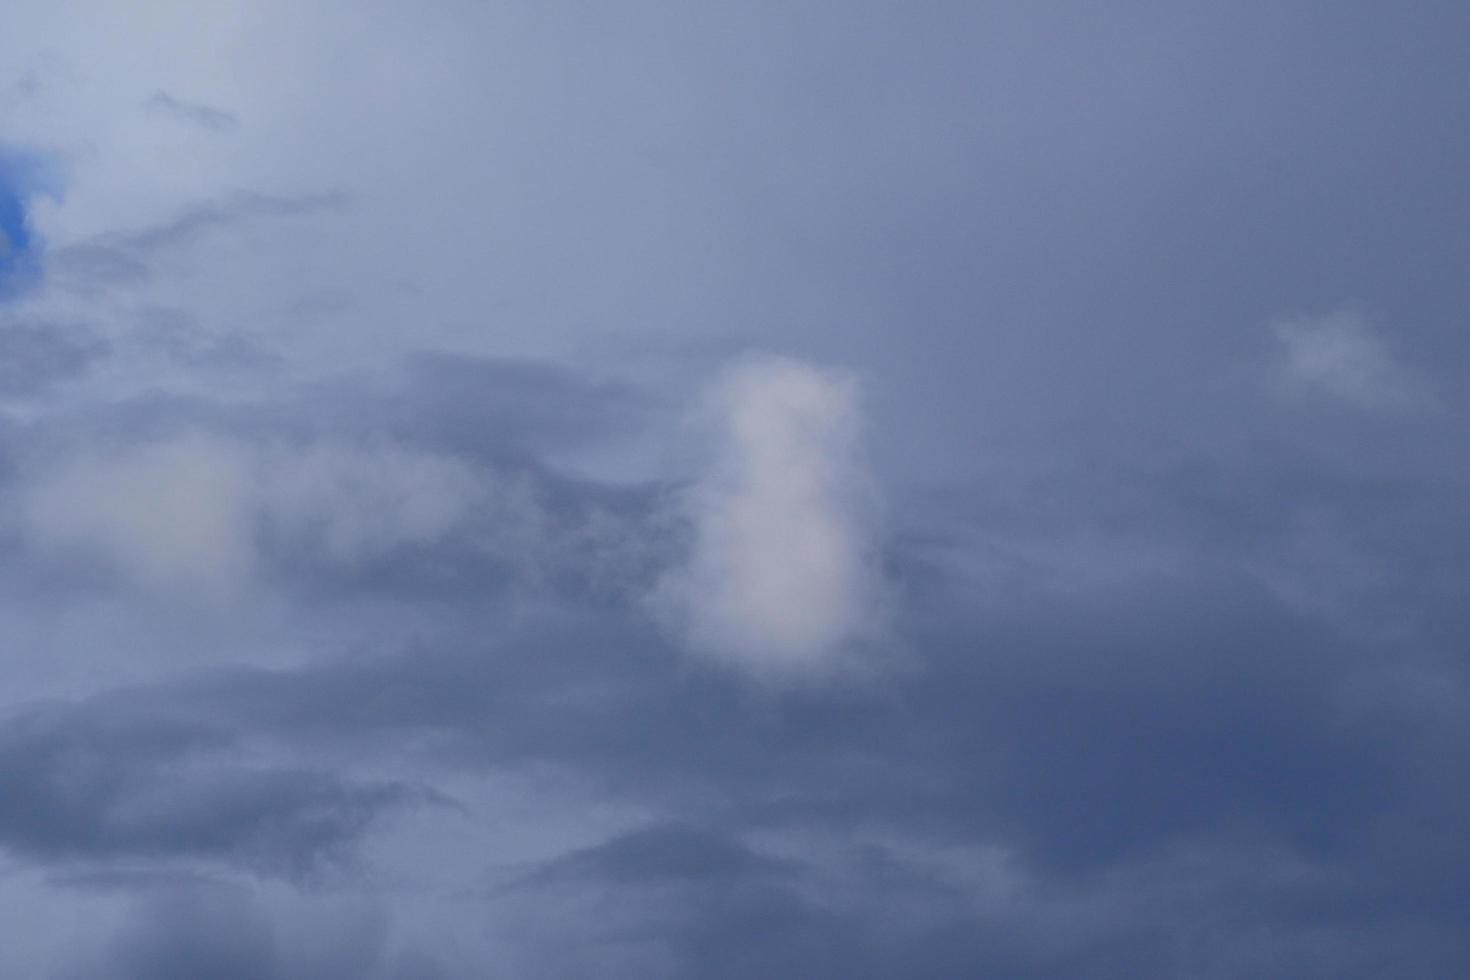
(734, 490)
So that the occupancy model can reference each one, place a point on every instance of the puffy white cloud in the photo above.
(781, 576)
(1341, 355)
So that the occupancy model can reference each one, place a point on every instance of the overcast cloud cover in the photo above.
(690, 490)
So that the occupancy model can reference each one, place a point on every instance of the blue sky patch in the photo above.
(22, 178)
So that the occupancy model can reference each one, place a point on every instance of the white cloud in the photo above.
(168, 514)
(781, 578)
(186, 514)
(1340, 355)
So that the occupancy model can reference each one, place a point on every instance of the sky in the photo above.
(685, 490)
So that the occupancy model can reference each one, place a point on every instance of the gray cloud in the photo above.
(91, 782)
(90, 269)
(199, 219)
(224, 931)
(1341, 356)
(207, 117)
(668, 852)
(97, 267)
(331, 519)
(35, 355)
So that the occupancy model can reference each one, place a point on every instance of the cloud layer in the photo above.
(371, 607)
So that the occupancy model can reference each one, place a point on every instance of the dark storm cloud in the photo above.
(1150, 749)
(97, 782)
(1128, 737)
(1083, 737)
(1133, 733)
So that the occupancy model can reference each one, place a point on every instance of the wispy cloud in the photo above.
(205, 116)
(1341, 355)
(190, 514)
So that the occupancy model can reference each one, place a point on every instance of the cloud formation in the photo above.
(194, 513)
(781, 577)
(172, 514)
(1340, 355)
(99, 780)
(393, 365)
